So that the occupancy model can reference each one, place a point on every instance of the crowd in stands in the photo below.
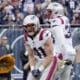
(14, 11)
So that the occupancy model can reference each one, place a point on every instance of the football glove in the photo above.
(68, 62)
(36, 73)
(63, 62)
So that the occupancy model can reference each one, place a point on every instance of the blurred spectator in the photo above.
(5, 49)
(13, 1)
(19, 5)
(39, 1)
(3, 3)
(56, 0)
(73, 4)
(39, 11)
(78, 7)
(2, 16)
(76, 18)
(10, 21)
(8, 8)
(4, 43)
(28, 7)
(11, 17)
(76, 37)
(78, 53)
(7, 14)
(40, 8)
(38, 14)
(77, 64)
(62, 2)
(19, 16)
(70, 5)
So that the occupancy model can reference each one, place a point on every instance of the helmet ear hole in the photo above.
(56, 12)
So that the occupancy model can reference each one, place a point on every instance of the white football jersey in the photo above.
(38, 41)
(60, 29)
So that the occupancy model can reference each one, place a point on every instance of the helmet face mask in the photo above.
(30, 29)
(31, 24)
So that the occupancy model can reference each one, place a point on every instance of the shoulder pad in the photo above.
(56, 22)
(47, 34)
(44, 34)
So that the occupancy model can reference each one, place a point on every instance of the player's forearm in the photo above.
(48, 60)
(31, 62)
(49, 57)
(49, 52)
(31, 58)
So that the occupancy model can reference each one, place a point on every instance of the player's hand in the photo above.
(63, 62)
(36, 73)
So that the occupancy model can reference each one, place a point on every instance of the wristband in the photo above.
(41, 68)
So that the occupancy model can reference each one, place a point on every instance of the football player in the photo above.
(39, 44)
(60, 28)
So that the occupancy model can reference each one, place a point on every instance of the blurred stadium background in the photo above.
(12, 13)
